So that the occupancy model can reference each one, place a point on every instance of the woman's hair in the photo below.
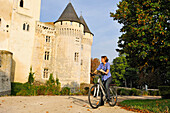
(105, 58)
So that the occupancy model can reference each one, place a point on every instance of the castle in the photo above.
(61, 48)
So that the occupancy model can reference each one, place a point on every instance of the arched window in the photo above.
(0, 22)
(21, 3)
(28, 27)
(24, 26)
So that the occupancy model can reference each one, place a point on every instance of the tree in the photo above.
(118, 70)
(94, 64)
(31, 76)
(145, 38)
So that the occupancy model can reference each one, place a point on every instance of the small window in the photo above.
(76, 57)
(82, 47)
(0, 61)
(71, 23)
(48, 38)
(28, 27)
(7, 26)
(45, 73)
(61, 22)
(81, 62)
(24, 26)
(77, 39)
(21, 3)
(0, 22)
(46, 57)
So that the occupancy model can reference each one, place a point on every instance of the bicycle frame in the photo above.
(99, 86)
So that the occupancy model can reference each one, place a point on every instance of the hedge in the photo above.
(165, 91)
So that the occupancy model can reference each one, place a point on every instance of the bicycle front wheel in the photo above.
(94, 96)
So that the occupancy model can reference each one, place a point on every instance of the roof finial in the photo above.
(69, 1)
(81, 13)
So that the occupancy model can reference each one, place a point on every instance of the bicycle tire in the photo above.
(89, 99)
(113, 97)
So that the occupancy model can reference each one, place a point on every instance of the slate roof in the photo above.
(86, 28)
(69, 14)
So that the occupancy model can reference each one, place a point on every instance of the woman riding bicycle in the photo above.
(106, 76)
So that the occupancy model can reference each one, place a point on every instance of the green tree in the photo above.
(145, 38)
(31, 76)
(118, 70)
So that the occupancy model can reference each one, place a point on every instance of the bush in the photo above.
(145, 93)
(16, 87)
(165, 91)
(27, 90)
(41, 90)
(135, 92)
(123, 91)
(31, 76)
(154, 93)
(65, 91)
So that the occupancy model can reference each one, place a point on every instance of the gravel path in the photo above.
(58, 104)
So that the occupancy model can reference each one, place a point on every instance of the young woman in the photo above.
(106, 77)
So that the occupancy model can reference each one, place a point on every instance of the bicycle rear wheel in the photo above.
(113, 96)
(94, 96)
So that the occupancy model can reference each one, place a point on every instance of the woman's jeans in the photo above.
(106, 84)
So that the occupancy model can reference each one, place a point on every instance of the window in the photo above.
(47, 38)
(0, 22)
(45, 73)
(21, 3)
(46, 57)
(70, 23)
(82, 47)
(77, 39)
(24, 26)
(81, 62)
(61, 22)
(76, 57)
(28, 27)
(0, 61)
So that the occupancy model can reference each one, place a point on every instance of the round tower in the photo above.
(87, 41)
(69, 34)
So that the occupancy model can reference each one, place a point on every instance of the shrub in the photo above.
(154, 93)
(27, 90)
(165, 91)
(65, 91)
(16, 87)
(122, 91)
(135, 92)
(41, 90)
(145, 93)
(31, 76)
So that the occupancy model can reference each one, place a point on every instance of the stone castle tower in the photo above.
(61, 48)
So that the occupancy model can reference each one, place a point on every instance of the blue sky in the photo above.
(97, 16)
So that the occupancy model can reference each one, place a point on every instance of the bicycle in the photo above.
(94, 95)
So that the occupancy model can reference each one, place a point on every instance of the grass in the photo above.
(147, 106)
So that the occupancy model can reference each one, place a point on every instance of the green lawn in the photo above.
(155, 106)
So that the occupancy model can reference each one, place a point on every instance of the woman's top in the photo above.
(107, 66)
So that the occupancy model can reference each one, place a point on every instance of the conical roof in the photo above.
(86, 28)
(69, 14)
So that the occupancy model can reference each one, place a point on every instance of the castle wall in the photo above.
(5, 22)
(86, 58)
(5, 72)
(69, 36)
(41, 45)
(22, 40)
